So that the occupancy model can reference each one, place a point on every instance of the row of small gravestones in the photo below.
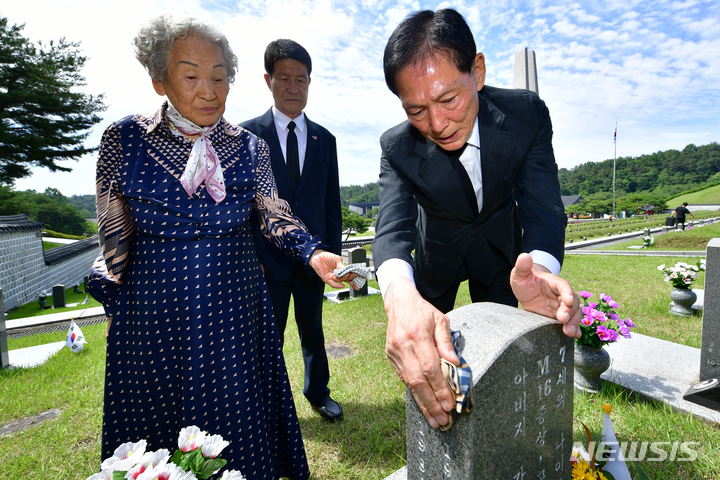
(646, 231)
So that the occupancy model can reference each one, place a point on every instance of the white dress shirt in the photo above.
(395, 267)
(281, 127)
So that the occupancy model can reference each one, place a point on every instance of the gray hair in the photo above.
(155, 41)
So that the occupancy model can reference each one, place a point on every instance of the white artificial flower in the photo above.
(190, 438)
(213, 445)
(661, 267)
(232, 475)
(125, 456)
(104, 475)
(169, 471)
(149, 461)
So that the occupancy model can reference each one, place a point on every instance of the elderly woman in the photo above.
(192, 339)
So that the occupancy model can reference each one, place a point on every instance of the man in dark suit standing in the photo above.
(468, 182)
(304, 162)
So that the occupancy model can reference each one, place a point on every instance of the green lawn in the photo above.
(601, 228)
(707, 196)
(33, 309)
(370, 442)
(691, 239)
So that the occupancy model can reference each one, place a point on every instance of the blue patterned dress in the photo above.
(193, 339)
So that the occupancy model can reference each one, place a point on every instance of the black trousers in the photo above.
(498, 291)
(307, 293)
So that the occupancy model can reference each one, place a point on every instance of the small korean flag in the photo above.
(75, 338)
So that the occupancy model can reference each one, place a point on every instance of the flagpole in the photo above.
(614, 160)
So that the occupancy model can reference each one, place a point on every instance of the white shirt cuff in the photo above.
(392, 269)
(546, 260)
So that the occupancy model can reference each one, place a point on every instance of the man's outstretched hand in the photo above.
(541, 292)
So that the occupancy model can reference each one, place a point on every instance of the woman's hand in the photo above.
(324, 263)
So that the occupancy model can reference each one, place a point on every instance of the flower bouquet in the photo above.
(682, 274)
(195, 459)
(601, 325)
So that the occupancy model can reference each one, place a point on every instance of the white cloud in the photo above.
(652, 67)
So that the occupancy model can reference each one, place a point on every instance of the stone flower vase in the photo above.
(590, 363)
(683, 299)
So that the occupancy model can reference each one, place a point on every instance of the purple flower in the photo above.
(584, 294)
(629, 323)
(612, 303)
(624, 331)
(592, 305)
(613, 316)
(606, 334)
(605, 298)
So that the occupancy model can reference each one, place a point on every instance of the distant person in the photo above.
(680, 213)
(192, 338)
(303, 155)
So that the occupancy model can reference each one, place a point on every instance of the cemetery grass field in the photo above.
(593, 228)
(695, 239)
(33, 309)
(370, 442)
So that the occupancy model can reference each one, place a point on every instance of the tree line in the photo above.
(665, 174)
(51, 208)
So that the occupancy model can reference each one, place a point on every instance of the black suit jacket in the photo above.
(423, 205)
(317, 199)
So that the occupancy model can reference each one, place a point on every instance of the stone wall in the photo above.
(26, 270)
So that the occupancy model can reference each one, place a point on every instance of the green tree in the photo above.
(352, 222)
(43, 118)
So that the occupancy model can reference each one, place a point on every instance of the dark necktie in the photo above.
(293, 157)
(465, 181)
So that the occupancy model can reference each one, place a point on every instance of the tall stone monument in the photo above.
(525, 75)
(522, 389)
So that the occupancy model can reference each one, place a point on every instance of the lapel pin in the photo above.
(314, 137)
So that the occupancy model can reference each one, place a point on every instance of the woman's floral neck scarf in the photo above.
(203, 164)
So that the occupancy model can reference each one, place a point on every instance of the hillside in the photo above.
(665, 173)
(708, 196)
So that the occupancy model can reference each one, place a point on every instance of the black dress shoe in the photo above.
(329, 409)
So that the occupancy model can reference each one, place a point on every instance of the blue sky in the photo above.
(652, 67)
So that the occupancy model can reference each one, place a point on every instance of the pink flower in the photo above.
(587, 320)
(190, 438)
(584, 294)
(629, 323)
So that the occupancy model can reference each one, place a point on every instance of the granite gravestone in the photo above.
(358, 255)
(707, 391)
(522, 389)
(58, 296)
(710, 342)
(4, 356)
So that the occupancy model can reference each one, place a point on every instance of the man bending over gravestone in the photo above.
(468, 182)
